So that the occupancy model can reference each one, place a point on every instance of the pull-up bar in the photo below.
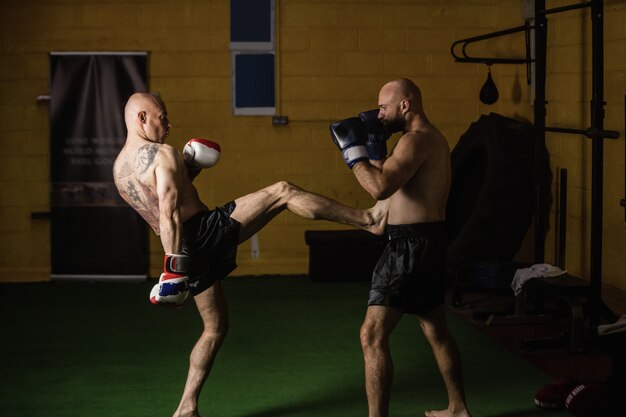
(524, 28)
(590, 132)
(465, 58)
(566, 8)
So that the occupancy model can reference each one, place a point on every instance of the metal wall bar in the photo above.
(597, 152)
(483, 60)
(562, 231)
(539, 108)
(623, 200)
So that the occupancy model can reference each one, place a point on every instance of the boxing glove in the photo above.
(201, 153)
(376, 135)
(590, 399)
(173, 288)
(350, 135)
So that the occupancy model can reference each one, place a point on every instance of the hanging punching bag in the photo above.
(489, 91)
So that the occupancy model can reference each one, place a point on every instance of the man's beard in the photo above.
(394, 125)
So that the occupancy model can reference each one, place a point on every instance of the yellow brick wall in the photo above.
(333, 57)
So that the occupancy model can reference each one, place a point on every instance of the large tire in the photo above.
(493, 191)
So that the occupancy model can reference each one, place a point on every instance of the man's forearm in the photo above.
(171, 236)
(370, 178)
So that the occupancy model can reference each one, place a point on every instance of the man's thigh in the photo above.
(256, 209)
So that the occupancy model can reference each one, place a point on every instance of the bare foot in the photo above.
(193, 413)
(379, 217)
(187, 415)
(447, 413)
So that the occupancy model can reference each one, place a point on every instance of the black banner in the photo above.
(95, 234)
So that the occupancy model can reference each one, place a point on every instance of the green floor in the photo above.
(79, 349)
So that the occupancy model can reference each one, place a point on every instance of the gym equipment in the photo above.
(597, 309)
(489, 91)
(343, 255)
(491, 202)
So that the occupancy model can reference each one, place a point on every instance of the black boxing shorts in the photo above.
(210, 240)
(410, 274)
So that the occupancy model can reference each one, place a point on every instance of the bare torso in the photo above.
(423, 198)
(135, 178)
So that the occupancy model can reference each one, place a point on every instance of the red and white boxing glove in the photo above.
(173, 288)
(201, 153)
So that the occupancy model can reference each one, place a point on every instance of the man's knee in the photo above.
(216, 324)
(436, 332)
(217, 332)
(284, 187)
(370, 337)
(221, 333)
(284, 190)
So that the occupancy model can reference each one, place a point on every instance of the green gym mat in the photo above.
(101, 349)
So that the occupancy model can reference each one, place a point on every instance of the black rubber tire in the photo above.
(493, 191)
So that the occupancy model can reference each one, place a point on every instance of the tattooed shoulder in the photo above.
(145, 157)
(128, 175)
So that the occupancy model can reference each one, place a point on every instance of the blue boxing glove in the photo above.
(350, 135)
(173, 288)
(377, 135)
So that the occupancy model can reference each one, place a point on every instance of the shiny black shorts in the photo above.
(410, 274)
(210, 239)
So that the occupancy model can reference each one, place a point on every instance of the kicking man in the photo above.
(200, 244)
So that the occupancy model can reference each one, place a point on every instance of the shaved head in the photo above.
(145, 115)
(405, 89)
(139, 102)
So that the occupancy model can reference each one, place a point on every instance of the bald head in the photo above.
(146, 116)
(404, 89)
(140, 102)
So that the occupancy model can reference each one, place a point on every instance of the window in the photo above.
(252, 57)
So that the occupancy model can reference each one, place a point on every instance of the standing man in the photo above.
(201, 244)
(409, 277)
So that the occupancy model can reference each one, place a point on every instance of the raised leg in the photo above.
(255, 210)
(377, 327)
(213, 309)
(448, 360)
